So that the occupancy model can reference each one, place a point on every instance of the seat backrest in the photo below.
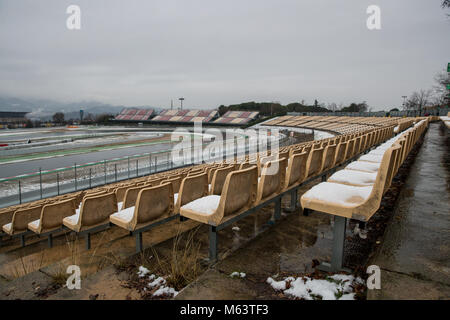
(350, 148)
(357, 146)
(245, 165)
(120, 193)
(153, 182)
(97, 209)
(22, 217)
(341, 150)
(272, 180)
(314, 163)
(218, 179)
(129, 200)
(239, 191)
(152, 204)
(175, 181)
(296, 170)
(192, 188)
(329, 157)
(389, 171)
(53, 214)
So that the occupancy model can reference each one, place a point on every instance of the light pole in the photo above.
(404, 103)
(181, 102)
(404, 100)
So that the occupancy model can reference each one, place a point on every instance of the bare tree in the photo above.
(445, 4)
(332, 106)
(440, 92)
(418, 100)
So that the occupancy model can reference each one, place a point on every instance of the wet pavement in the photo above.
(415, 254)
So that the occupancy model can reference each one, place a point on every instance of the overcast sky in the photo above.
(147, 52)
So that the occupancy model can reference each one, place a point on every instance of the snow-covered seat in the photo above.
(51, 218)
(93, 215)
(153, 205)
(238, 195)
(353, 177)
(364, 166)
(6, 215)
(21, 218)
(357, 202)
(371, 157)
(192, 188)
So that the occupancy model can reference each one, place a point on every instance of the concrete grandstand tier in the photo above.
(134, 114)
(171, 115)
(237, 117)
(340, 125)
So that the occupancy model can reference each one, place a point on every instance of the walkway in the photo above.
(415, 255)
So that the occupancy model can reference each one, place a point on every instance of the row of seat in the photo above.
(127, 204)
(356, 191)
(341, 125)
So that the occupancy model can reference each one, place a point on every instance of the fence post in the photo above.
(90, 178)
(75, 169)
(57, 182)
(40, 181)
(137, 168)
(104, 168)
(128, 167)
(20, 193)
(115, 171)
(149, 163)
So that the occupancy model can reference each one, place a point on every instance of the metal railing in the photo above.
(44, 184)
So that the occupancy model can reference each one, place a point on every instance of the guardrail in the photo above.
(44, 184)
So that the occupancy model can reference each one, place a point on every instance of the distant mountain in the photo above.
(44, 109)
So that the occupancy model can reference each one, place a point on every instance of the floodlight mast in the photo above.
(181, 102)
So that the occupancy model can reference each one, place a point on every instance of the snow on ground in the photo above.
(143, 271)
(156, 283)
(336, 287)
(236, 274)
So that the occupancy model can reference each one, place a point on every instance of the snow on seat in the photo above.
(353, 177)
(338, 194)
(238, 195)
(356, 202)
(363, 166)
(73, 219)
(152, 204)
(21, 218)
(204, 206)
(95, 211)
(125, 214)
(34, 225)
(371, 158)
(7, 227)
